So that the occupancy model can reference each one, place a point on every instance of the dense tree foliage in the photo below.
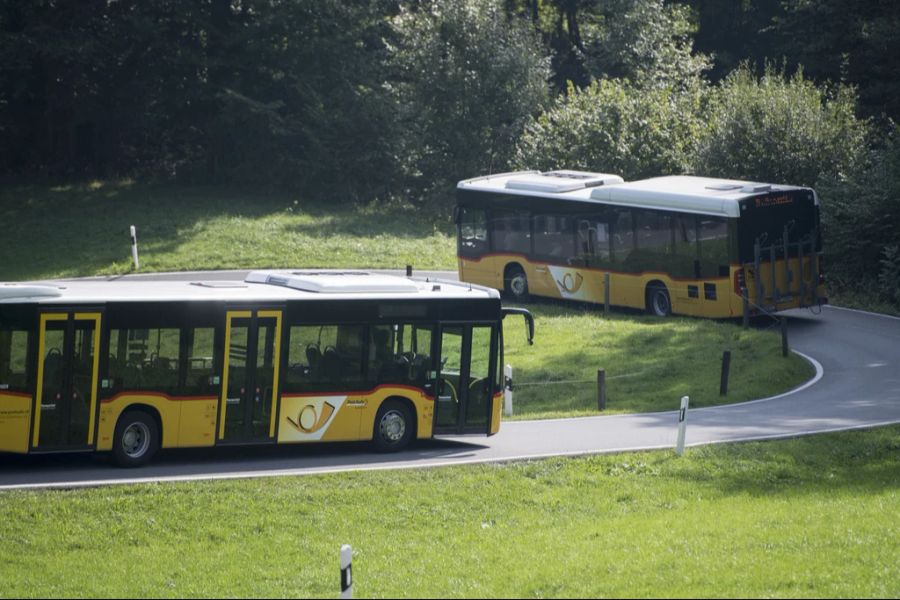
(780, 128)
(615, 127)
(469, 77)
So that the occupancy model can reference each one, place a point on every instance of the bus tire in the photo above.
(515, 283)
(659, 303)
(394, 426)
(136, 439)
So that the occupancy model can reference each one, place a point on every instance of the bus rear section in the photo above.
(780, 251)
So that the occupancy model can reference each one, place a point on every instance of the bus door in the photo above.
(67, 366)
(464, 398)
(250, 375)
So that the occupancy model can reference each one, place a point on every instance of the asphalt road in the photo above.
(857, 385)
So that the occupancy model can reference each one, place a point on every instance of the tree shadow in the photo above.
(78, 230)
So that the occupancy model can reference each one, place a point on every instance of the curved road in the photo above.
(857, 356)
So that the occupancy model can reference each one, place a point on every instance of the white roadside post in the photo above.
(346, 571)
(507, 390)
(682, 425)
(134, 253)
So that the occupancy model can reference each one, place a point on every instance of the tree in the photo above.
(468, 78)
(781, 129)
(615, 127)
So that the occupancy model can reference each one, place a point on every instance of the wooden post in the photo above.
(726, 365)
(784, 337)
(601, 389)
(746, 299)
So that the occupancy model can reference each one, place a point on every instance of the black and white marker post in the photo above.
(682, 425)
(346, 571)
(134, 253)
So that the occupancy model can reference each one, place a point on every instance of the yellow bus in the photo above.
(685, 245)
(130, 366)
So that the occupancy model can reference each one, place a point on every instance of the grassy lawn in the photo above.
(811, 517)
(82, 230)
(650, 363)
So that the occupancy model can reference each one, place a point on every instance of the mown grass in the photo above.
(650, 363)
(811, 517)
(78, 230)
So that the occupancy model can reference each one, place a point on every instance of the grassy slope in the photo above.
(83, 230)
(812, 517)
(650, 363)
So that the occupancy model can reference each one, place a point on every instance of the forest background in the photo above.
(384, 101)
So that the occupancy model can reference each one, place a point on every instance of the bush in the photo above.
(861, 221)
(781, 129)
(614, 127)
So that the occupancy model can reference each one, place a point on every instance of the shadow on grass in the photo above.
(79, 230)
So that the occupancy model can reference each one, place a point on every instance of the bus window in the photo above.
(200, 361)
(473, 231)
(685, 260)
(714, 247)
(144, 359)
(593, 240)
(479, 398)
(325, 357)
(399, 354)
(13, 359)
(511, 232)
(554, 238)
(622, 235)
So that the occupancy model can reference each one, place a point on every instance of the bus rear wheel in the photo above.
(136, 440)
(394, 427)
(658, 301)
(516, 283)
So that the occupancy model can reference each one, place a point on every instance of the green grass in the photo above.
(79, 230)
(650, 363)
(811, 517)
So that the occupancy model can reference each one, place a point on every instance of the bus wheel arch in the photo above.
(515, 281)
(395, 424)
(657, 298)
(138, 436)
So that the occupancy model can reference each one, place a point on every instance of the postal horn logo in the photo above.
(571, 283)
(309, 420)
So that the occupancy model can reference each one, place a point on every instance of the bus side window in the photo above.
(554, 238)
(325, 357)
(715, 257)
(399, 353)
(473, 231)
(13, 359)
(623, 238)
(200, 361)
(511, 232)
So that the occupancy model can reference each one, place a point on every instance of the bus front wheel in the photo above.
(516, 283)
(658, 301)
(394, 427)
(136, 440)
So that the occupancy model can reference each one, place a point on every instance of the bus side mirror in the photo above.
(529, 320)
(457, 213)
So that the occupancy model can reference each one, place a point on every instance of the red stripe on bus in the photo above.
(359, 392)
(158, 395)
(596, 269)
